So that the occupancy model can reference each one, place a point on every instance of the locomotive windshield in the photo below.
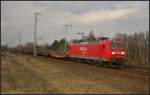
(117, 45)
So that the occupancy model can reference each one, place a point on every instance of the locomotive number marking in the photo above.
(83, 49)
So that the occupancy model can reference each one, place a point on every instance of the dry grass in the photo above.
(46, 75)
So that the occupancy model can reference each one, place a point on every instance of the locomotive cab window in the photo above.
(103, 46)
(117, 45)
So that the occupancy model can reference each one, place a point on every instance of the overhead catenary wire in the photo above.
(75, 28)
(84, 27)
(63, 7)
(87, 28)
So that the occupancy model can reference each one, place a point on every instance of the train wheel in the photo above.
(88, 61)
(118, 65)
(101, 63)
(65, 58)
(77, 60)
(106, 64)
(73, 59)
(69, 58)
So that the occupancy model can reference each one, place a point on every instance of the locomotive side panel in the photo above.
(95, 51)
(86, 51)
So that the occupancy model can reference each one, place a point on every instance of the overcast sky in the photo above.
(103, 17)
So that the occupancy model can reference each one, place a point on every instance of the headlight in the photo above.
(112, 52)
(122, 52)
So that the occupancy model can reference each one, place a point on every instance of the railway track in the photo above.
(136, 70)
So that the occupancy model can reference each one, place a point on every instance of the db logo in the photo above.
(83, 48)
(117, 52)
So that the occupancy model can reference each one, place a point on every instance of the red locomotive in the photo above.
(105, 51)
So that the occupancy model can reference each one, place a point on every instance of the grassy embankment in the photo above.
(21, 73)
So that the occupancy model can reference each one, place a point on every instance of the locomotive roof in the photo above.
(103, 38)
(91, 42)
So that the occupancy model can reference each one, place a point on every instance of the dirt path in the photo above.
(67, 77)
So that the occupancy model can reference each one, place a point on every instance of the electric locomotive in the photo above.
(104, 52)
